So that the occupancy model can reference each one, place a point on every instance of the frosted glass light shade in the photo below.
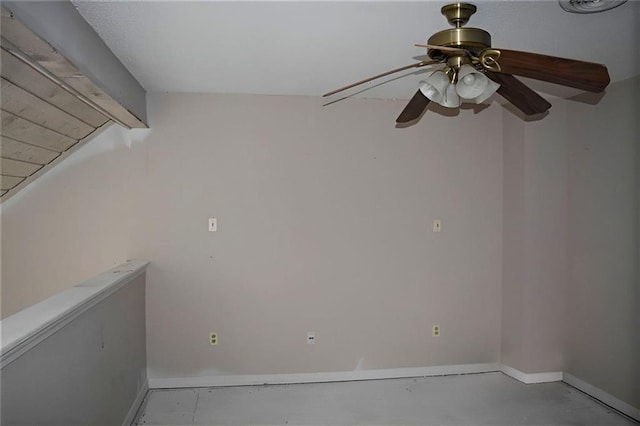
(471, 82)
(492, 86)
(434, 86)
(472, 86)
(451, 98)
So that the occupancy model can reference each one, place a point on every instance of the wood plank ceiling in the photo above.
(47, 106)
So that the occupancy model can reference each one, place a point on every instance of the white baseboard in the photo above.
(529, 378)
(131, 415)
(395, 373)
(338, 376)
(603, 396)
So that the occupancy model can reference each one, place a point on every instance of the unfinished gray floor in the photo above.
(475, 399)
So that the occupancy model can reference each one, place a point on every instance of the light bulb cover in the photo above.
(451, 98)
(437, 87)
(492, 87)
(434, 86)
(471, 82)
(469, 79)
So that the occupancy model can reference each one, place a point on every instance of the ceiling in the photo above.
(60, 82)
(309, 48)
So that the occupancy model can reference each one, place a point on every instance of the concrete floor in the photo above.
(475, 399)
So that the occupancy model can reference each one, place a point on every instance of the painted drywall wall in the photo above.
(513, 234)
(73, 222)
(534, 240)
(571, 287)
(89, 372)
(603, 304)
(324, 225)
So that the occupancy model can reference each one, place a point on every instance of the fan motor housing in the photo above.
(472, 39)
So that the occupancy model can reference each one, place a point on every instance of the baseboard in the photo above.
(603, 396)
(131, 415)
(529, 378)
(338, 376)
(395, 373)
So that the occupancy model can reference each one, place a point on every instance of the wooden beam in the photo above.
(8, 182)
(17, 168)
(60, 157)
(23, 104)
(19, 74)
(54, 34)
(16, 150)
(22, 130)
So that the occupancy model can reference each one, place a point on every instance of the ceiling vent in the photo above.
(589, 6)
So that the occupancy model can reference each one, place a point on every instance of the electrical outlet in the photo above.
(436, 330)
(213, 224)
(437, 225)
(311, 338)
(213, 338)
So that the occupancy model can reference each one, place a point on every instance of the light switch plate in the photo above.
(213, 224)
(437, 225)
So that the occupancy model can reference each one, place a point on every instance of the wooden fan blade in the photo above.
(516, 92)
(581, 75)
(357, 83)
(414, 108)
(444, 48)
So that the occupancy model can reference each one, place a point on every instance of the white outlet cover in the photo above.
(311, 338)
(213, 224)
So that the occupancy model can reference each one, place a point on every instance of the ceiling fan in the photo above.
(473, 70)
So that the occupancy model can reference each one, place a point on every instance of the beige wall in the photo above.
(72, 223)
(603, 310)
(571, 285)
(324, 225)
(534, 240)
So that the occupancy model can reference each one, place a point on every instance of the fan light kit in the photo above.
(473, 70)
(472, 85)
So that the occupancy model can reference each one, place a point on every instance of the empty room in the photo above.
(320, 212)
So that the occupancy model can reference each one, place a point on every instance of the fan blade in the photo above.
(414, 108)
(581, 75)
(357, 83)
(444, 48)
(516, 92)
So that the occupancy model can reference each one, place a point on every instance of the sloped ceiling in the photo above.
(51, 100)
(309, 48)
(40, 121)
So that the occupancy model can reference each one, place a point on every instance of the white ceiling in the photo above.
(309, 48)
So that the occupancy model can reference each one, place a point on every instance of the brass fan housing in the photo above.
(472, 39)
(458, 14)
